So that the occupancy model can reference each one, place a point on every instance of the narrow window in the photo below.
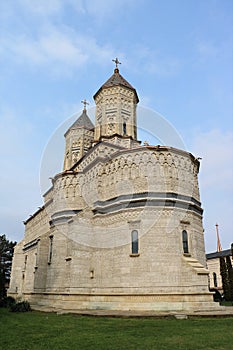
(50, 249)
(185, 242)
(25, 262)
(124, 128)
(134, 238)
(215, 279)
(37, 253)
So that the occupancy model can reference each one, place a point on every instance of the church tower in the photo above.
(79, 138)
(116, 102)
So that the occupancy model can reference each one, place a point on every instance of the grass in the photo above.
(37, 330)
(226, 303)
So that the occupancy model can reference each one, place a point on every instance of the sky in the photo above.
(55, 53)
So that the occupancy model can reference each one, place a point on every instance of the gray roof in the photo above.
(82, 122)
(115, 80)
(223, 253)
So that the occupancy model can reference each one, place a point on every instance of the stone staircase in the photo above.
(196, 265)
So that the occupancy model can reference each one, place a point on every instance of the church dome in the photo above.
(117, 80)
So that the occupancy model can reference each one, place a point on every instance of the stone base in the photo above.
(184, 303)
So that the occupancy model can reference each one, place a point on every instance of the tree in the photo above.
(6, 255)
(230, 276)
(225, 279)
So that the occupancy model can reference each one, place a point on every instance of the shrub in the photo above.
(217, 296)
(21, 306)
(7, 302)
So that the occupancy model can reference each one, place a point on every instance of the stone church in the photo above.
(121, 226)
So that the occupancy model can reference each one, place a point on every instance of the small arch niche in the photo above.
(124, 129)
(185, 242)
(134, 242)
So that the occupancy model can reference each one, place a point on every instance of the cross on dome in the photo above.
(85, 103)
(116, 62)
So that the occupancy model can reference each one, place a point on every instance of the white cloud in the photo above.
(45, 8)
(216, 183)
(153, 61)
(102, 8)
(60, 48)
(216, 149)
(210, 50)
(53, 43)
(42, 7)
(207, 49)
(19, 183)
(163, 66)
(12, 132)
(98, 9)
(51, 47)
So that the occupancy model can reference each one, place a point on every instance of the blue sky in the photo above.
(176, 53)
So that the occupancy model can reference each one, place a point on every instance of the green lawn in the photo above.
(37, 330)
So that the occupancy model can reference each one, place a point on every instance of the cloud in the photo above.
(44, 36)
(12, 133)
(60, 48)
(98, 9)
(53, 47)
(153, 61)
(207, 49)
(19, 183)
(163, 66)
(42, 7)
(210, 50)
(216, 183)
(216, 149)
(102, 8)
(46, 9)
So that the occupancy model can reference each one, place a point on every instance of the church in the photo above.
(121, 226)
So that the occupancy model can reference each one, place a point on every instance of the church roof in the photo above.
(117, 80)
(222, 253)
(82, 122)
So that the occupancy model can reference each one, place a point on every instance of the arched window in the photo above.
(185, 242)
(215, 279)
(50, 249)
(134, 240)
(124, 128)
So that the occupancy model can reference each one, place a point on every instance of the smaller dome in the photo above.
(83, 122)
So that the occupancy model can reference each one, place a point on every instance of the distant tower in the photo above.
(79, 138)
(219, 246)
(116, 102)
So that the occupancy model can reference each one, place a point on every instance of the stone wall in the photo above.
(80, 243)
